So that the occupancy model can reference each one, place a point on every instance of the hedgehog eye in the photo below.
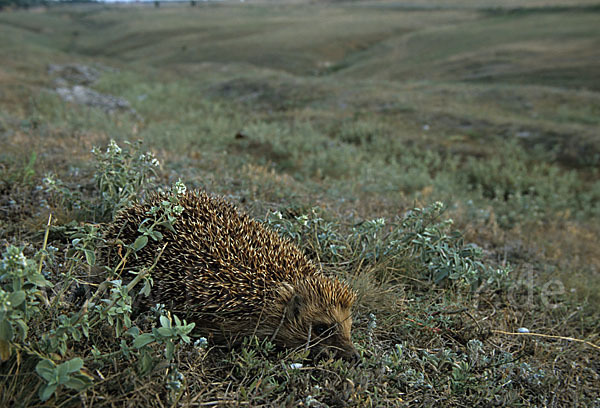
(320, 329)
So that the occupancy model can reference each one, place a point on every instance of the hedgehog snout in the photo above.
(350, 354)
(340, 349)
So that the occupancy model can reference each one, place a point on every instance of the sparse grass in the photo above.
(342, 133)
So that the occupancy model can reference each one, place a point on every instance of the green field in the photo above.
(353, 120)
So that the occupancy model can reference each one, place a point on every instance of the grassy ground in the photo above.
(336, 115)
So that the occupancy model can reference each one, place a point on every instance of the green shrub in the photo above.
(421, 241)
(119, 176)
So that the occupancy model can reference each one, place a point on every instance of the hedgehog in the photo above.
(234, 278)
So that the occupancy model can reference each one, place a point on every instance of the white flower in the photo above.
(201, 342)
(149, 157)
(179, 188)
(113, 147)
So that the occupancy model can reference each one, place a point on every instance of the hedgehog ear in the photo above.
(294, 304)
(292, 309)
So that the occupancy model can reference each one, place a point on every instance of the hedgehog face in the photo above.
(318, 312)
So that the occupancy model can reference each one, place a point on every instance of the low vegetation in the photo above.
(456, 189)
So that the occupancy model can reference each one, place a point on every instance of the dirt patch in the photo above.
(72, 85)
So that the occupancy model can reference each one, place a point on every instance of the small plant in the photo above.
(21, 296)
(323, 236)
(68, 374)
(29, 169)
(119, 175)
(21, 302)
(117, 309)
(461, 375)
(163, 215)
(84, 240)
(62, 195)
(442, 251)
(367, 240)
(68, 329)
(22, 174)
(172, 332)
